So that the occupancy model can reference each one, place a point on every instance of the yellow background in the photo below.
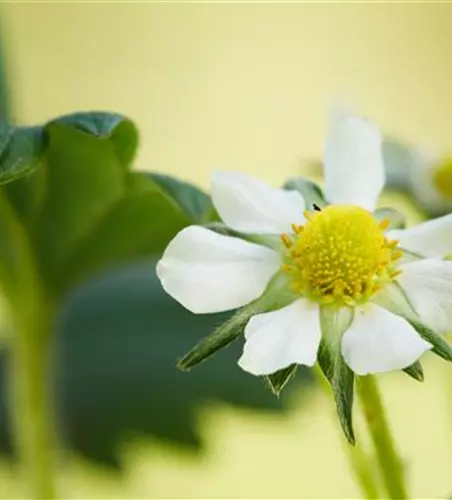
(249, 87)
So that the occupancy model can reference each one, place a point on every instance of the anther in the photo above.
(396, 255)
(393, 243)
(286, 240)
(309, 215)
(384, 224)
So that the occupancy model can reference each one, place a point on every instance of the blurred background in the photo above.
(222, 86)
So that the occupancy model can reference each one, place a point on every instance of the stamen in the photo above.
(340, 256)
(286, 240)
(396, 255)
(309, 215)
(393, 243)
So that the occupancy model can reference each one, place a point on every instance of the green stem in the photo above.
(32, 402)
(360, 464)
(389, 462)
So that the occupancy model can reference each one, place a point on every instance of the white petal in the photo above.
(432, 238)
(277, 339)
(208, 272)
(251, 206)
(428, 286)
(353, 158)
(379, 341)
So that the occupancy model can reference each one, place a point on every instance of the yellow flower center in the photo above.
(442, 178)
(340, 255)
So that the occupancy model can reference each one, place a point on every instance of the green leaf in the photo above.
(17, 270)
(397, 220)
(122, 132)
(277, 381)
(84, 179)
(311, 193)
(20, 151)
(338, 374)
(140, 224)
(440, 346)
(192, 200)
(118, 336)
(415, 371)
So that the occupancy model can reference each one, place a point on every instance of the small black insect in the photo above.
(316, 207)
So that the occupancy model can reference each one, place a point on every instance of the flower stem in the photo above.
(31, 400)
(360, 464)
(389, 462)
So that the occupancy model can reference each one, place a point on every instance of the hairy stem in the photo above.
(389, 462)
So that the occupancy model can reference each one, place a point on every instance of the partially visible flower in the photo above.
(427, 175)
(340, 273)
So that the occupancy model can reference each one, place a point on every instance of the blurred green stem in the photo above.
(360, 464)
(388, 460)
(31, 400)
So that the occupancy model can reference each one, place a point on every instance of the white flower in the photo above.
(337, 260)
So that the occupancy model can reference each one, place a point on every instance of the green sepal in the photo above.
(341, 379)
(275, 296)
(339, 375)
(220, 338)
(278, 380)
(415, 371)
(312, 194)
(440, 346)
(397, 220)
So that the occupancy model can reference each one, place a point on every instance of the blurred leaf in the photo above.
(415, 371)
(120, 131)
(17, 272)
(277, 381)
(118, 340)
(140, 224)
(194, 202)
(312, 194)
(26, 195)
(20, 151)
(84, 179)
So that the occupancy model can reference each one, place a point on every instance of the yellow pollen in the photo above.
(384, 224)
(442, 178)
(340, 256)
